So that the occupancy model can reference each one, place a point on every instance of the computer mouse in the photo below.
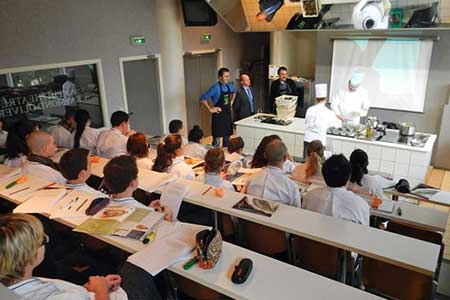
(242, 271)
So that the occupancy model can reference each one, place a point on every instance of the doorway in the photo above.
(142, 93)
(200, 72)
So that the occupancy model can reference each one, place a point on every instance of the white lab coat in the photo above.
(144, 163)
(373, 184)
(37, 288)
(181, 169)
(195, 150)
(215, 180)
(339, 203)
(3, 137)
(44, 172)
(351, 105)
(131, 202)
(70, 93)
(63, 137)
(111, 143)
(17, 162)
(272, 184)
(89, 139)
(232, 157)
(317, 120)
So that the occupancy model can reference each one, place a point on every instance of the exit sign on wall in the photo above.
(137, 40)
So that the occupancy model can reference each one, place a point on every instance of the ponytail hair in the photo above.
(359, 162)
(315, 157)
(166, 152)
(81, 118)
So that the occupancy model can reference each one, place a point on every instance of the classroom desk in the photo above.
(264, 282)
(395, 195)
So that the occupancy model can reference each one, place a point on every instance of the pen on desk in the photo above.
(18, 191)
(15, 182)
(207, 190)
(84, 202)
(190, 263)
(75, 201)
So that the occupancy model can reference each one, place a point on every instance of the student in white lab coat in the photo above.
(260, 161)
(63, 132)
(214, 163)
(176, 127)
(352, 102)
(75, 166)
(23, 249)
(318, 119)
(271, 183)
(113, 142)
(170, 158)
(194, 148)
(16, 145)
(361, 181)
(120, 177)
(235, 149)
(335, 200)
(311, 170)
(42, 147)
(137, 147)
(85, 137)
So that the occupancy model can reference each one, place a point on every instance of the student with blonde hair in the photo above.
(22, 249)
(310, 171)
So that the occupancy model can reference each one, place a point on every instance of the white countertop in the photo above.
(298, 127)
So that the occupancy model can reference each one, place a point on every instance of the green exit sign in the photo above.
(206, 37)
(137, 40)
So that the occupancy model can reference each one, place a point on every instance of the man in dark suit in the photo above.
(244, 104)
(282, 86)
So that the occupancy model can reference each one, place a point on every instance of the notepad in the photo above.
(41, 202)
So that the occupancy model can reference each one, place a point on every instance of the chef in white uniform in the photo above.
(318, 119)
(352, 102)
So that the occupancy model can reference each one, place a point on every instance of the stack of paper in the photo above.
(151, 181)
(164, 252)
(41, 202)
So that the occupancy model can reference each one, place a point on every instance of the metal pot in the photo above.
(407, 129)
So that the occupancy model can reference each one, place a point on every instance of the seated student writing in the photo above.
(16, 144)
(194, 148)
(137, 147)
(176, 127)
(39, 163)
(214, 163)
(75, 166)
(85, 137)
(22, 249)
(335, 200)
(170, 158)
(113, 142)
(260, 161)
(120, 177)
(311, 169)
(271, 183)
(360, 181)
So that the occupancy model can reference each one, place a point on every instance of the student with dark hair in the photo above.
(137, 147)
(335, 200)
(170, 158)
(63, 132)
(235, 149)
(86, 137)
(282, 86)
(75, 166)
(16, 145)
(270, 182)
(360, 180)
(221, 94)
(214, 163)
(260, 161)
(194, 148)
(176, 127)
(113, 142)
(310, 170)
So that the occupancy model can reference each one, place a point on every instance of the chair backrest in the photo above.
(316, 257)
(263, 239)
(417, 233)
(395, 282)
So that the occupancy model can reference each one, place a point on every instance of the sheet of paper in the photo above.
(164, 252)
(7, 172)
(41, 202)
(173, 195)
(441, 196)
(151, 181)
(23, 191)
(78, 210)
